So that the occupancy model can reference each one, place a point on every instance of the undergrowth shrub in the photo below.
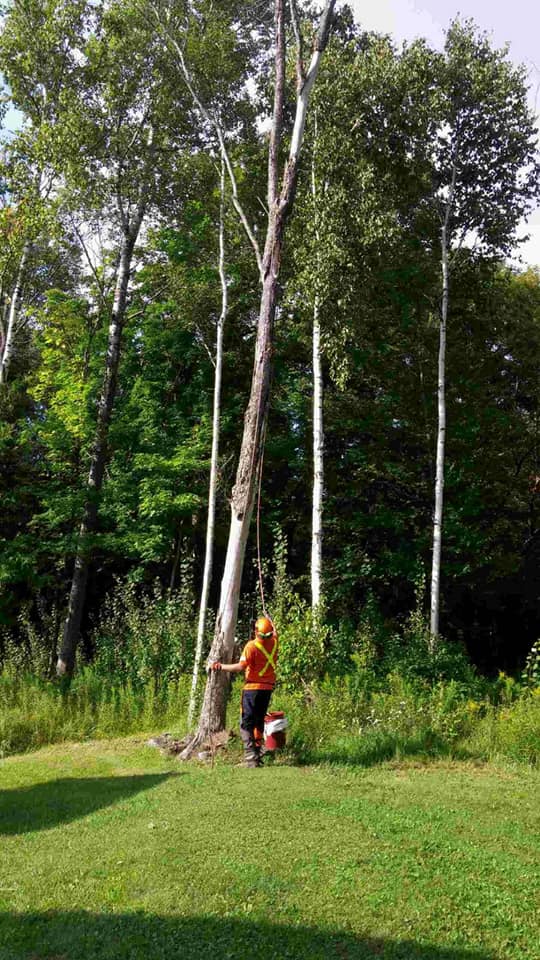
(510, 731)
(304, 637)
(531, 672)
(354, 693)
(144, 638)
(31, 646)
(34, 713)
(343, 718)
(415, 654)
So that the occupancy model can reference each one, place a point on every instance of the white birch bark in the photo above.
(318, 465)
(318, 432)
(441, 429)
(210, 525)
(7, 352)
(441, 441)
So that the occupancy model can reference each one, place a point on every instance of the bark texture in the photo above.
(212, 718)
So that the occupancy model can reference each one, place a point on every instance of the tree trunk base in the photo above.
(193, 746)
(207, 744)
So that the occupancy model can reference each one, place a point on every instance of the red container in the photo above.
(273, 741)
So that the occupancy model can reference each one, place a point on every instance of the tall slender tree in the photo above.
(129, 108)
(485, 177)
(214, 457)
(281, 192)
(318, 417)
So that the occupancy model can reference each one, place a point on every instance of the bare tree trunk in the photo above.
(318, 464)
(441, 430)
(318, 430)
(4, 316)
(441, 439)
(209, 549)
(215, 699)
(212, 718)
(77, 598)
(7, 350)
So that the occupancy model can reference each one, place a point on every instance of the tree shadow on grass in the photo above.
(46, 805)
(138, 936)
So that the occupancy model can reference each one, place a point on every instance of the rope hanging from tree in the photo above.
(259, 487)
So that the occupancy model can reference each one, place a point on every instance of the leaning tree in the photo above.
(281, 190)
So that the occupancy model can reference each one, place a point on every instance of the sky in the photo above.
(516, 22)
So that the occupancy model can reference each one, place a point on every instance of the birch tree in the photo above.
(318, 424)
(281, 189)
(485, 179)
(101, 113)
(214, 457)
(353, 215)
(37, 59)
(30, 238)
(8, 328)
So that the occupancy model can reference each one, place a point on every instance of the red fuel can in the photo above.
(275, 730)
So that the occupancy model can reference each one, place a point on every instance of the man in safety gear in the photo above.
(259, 661)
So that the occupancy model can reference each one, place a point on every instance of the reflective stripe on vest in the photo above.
(270, 662)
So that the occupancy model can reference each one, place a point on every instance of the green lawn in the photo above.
(109, 851)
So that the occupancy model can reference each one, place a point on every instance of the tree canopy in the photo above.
(115, 132)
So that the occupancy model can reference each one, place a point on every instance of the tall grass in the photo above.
(34, 712)
(337, 720)
(510, 732)
(353, 694)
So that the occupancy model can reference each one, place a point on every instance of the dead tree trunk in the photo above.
(77, 598)
(280, 203)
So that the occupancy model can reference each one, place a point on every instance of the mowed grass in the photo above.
(109, 851)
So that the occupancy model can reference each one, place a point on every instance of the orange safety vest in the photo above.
(261, 659)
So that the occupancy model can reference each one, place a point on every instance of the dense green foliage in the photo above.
(365, 243)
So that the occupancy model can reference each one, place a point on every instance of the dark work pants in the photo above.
(254, 707)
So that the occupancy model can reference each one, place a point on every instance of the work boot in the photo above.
(251, 757)
(251, 753)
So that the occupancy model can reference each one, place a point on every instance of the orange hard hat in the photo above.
(264, 627)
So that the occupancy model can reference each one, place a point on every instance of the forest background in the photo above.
(117, 216)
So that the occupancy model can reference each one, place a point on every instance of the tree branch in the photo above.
(88, 258)
(178, 53)
(279, 96)
(300, 69)
(302, 99)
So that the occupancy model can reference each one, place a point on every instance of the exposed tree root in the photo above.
(193, 746)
